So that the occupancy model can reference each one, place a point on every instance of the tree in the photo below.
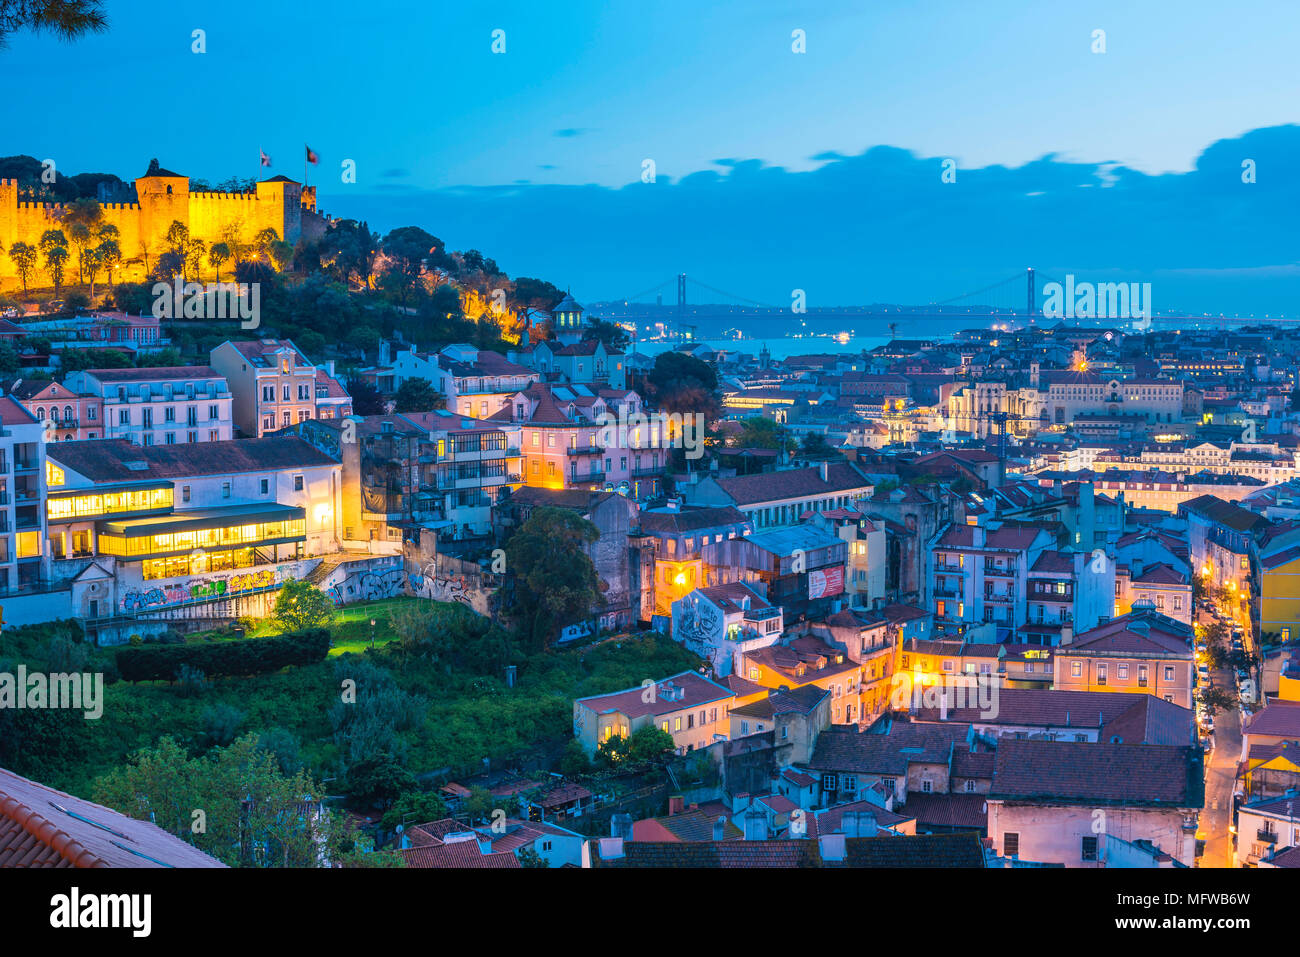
(554, 577)
(250, 810)
(418, 395)
(528, 857)
(24, 257)
(110, 254)
(612, 334)
(815, 446)
(408, 251)
(682, 383)
(302, 605)
(1216, 699)
(178, 234)
(758, 432)
(66, 19)
(366, 399)
(10, 361)
(82, 218)
(56, 258)
(650, 744)
(414, 807)
(218, 255)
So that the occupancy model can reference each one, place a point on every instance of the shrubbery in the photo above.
(253, 656)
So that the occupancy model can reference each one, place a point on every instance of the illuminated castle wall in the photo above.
(279, 203)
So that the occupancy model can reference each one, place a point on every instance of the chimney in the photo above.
(824, 468)
(720, 828)
(1067, 634)
(832, 847)
(620, 826)
(755, 825)
(858, 824)
(611, 848)
(676, 805)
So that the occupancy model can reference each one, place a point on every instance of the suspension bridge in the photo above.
(681, 306)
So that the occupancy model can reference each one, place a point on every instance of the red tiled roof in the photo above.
(42, 827)
(967, 811)
(1083, 772)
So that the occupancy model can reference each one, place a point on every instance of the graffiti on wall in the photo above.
(368, 585)
(200, 589)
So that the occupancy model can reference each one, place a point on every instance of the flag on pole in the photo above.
(311, 155)
(266, 160)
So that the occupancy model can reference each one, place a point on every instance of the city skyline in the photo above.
(769, 184)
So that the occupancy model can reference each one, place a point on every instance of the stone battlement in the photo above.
(283, 206)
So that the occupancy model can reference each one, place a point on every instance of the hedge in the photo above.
(251, 656)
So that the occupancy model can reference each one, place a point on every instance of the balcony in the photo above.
(25, 465)
(946, 591)
(946, 567)
(593, 450)
(1267, 837)
(994, 570)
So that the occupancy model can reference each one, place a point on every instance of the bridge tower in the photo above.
(681, 299)
(1029, 301)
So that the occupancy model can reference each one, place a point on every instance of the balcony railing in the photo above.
(1268, 837)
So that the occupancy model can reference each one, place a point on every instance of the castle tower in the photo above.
(164, 198)
(279, 206)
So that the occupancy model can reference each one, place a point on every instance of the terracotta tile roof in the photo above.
(1160, 574)
(1082, 772)
(690, 519)
(1060, 563)
(793, 483)
(859, 752)
(1279, 719)
(1135, 718)
(42, 827)
(928, 850)
(948, 810)
(11, 413)
(689, 826)
(149, 374)
(831, 820)
(109, 460)
(1139, 633)
(695, 690)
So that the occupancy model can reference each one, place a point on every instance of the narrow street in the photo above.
(1220, 771)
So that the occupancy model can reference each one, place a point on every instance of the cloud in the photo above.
(571, 131)
(882, 226)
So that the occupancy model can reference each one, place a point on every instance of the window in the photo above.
(1076, 669)
(285, 392)
(888, 783)
(1089, 850)
(185, 493)
(828, 782)
(970, 786)
(1010, 844)
(1122, 669)
(1101, 674)
(1169, 672)
(225, 490)
(927, 787)
(677, 723)
(266, 486)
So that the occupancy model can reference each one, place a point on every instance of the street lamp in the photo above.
(372, 633)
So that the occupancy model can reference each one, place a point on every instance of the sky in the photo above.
(773, 170)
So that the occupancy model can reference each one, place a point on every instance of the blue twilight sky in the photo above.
(775, 170)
